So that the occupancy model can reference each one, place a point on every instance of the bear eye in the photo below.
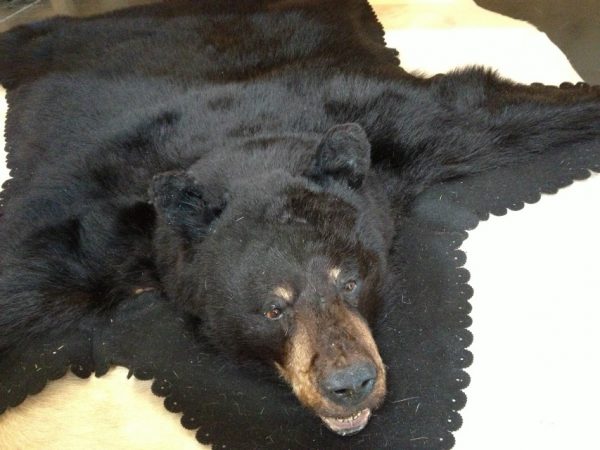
(274, 313)
(350, 286)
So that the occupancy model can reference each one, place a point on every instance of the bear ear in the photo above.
(344, 154)
(181, 203)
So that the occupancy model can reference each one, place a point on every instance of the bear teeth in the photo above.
(346, 426)
(353, 417)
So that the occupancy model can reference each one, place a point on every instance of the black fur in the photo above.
(344, 154)
(281, 128)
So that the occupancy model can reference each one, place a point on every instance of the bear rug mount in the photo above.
(252, 204)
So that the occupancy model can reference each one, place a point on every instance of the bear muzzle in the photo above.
(336, 371)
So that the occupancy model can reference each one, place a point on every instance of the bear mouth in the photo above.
(347, 426)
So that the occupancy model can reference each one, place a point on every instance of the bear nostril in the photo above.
(343, 392)
(351, 384)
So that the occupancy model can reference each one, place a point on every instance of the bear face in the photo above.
(285, 266)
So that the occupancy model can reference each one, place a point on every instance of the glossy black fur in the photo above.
(261, 86)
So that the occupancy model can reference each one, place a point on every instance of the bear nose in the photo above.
(350, 385)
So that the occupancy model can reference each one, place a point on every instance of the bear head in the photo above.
(285, 266)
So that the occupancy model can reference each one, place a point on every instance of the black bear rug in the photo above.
(421, 330)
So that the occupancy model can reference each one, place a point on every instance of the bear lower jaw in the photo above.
(347, 426)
